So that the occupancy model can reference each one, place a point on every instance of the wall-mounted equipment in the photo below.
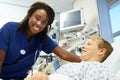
(71, 20)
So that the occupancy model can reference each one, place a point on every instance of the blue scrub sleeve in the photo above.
(49, 45)
(4, 36)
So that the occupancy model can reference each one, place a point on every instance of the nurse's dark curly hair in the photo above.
(23, 25)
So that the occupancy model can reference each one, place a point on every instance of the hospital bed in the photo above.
(112, 62)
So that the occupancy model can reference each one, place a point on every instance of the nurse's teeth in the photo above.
(36, 28)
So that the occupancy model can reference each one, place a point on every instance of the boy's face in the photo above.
(90, 51)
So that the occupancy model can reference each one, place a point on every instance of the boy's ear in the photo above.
(102, 51)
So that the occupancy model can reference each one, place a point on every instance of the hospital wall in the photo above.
(11, 13)
(90, 12)
(96, 12)
(15, 10)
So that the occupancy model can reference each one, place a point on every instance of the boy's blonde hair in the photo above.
(103, 44)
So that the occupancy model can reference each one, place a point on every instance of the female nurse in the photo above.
(21, 42)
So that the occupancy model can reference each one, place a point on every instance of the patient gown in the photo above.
(86, 71)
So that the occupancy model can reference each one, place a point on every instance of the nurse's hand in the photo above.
(38, 76)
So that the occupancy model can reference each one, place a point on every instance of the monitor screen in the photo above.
(71, 20)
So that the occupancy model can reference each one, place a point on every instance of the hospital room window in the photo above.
(115, 18)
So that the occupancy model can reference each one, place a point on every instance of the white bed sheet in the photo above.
(56, 76)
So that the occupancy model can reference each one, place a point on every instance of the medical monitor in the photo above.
(71, 20)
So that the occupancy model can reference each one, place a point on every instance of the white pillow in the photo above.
(113, 61)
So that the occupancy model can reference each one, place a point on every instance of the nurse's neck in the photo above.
(29, 35)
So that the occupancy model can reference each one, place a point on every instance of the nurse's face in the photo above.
(89, 51)
(38, 21)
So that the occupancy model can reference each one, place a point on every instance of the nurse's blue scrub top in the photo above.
(12, 41)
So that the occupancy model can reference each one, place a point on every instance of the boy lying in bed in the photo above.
(94, 52)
